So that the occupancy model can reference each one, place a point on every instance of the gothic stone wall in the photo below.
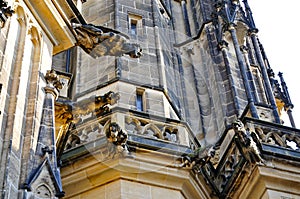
(28, 51)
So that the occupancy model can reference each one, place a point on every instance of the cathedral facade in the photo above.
(141, 99)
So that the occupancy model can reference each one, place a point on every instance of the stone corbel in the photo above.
(189, 49)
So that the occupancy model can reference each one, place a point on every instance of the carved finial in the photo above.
(222, 44)
(53, 79)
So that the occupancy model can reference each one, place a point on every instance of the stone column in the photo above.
(243, 70)
(223, 45)
(265, 75)
(186, 19)
(245, 53)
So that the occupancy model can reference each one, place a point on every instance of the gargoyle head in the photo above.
(135, 51)
(238, 125)
(108, 98)
(112, 97)
(113, 131)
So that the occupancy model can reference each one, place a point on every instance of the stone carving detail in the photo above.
(87, 133)
(246, 147)
(5, 12)
(94, 105)
(248, 142)
(229, 167)
(285, 139)
(151, 129)
(98, 105)
(197, 159)
(100, 41)
(43, 192)
(219, 175)
(118, 138)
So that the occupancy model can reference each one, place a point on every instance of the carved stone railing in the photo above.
(145, 127)
(231, 163)
(152, 129)
(222, 174)
(87, 132)
(142, 131)
(276, 139)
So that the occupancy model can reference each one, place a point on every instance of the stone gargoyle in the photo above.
(118, 137)
(99, 41)
(198, 158)
(95, 105)
(249, 143)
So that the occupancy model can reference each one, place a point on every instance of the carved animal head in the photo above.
(238, 126)
(113, 130)
(111, 97)
(135, 51)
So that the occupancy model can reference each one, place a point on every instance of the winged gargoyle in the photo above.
(249, 143)
(99, 41)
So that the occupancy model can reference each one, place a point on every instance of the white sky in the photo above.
(279, 26)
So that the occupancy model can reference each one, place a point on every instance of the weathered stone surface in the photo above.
(186, 89)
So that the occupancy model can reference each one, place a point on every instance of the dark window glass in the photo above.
(133, 27)
(139, 101)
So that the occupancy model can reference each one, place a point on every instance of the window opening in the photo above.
(140, 100)
(135, 24)
(133, 27)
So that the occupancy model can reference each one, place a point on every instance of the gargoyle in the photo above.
(249, 143)
(100, 41)
(198, 158)
(97, 105)
(118, 138)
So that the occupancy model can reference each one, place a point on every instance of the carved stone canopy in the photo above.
(100, 41)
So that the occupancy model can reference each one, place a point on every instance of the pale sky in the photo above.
(278, 24)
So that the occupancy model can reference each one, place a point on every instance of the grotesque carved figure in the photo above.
(97, 105)
(248, 142)
(118, 138)
(199, 158)
(100, 41)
